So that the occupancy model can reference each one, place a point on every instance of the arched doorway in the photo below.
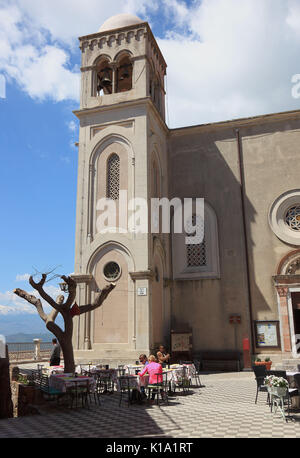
(287, 283)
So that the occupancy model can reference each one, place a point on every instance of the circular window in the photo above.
(284, 217)
(292, 218)
(112, 271)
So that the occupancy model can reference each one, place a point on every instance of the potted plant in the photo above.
(277, 386)
(267, 362)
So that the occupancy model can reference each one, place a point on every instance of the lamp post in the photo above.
(64, 287)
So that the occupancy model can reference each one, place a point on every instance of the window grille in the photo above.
(111, 271)
(196, 252)
(113, 177)
(292, 218)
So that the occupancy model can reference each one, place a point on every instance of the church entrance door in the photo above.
(295, 296)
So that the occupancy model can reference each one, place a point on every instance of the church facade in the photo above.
(242, 281)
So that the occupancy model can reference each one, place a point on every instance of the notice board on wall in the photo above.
(181, 346)
(267, 334)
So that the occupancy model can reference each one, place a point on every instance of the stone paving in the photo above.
(223, 407)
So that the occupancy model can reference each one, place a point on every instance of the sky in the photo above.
(226, 59)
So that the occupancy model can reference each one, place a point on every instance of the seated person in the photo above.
(162, 356)
(143, 360)
(153, 368)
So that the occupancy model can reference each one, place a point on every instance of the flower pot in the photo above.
(268, 364)
(278, 390)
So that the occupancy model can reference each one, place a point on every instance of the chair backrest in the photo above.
(278, 373)
(44, 381)
(105, 375)
(197, 364)
(260, 371)
(120, 371)
(182, 372)
(124, 382)
(297, 381)
(131, 370)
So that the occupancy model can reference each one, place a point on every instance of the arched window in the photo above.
(124, 75)
(155, 177)
(198, 260)
(104, 78)
(113, 177)
(195, 252)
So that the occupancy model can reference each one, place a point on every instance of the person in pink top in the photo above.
(154, 370)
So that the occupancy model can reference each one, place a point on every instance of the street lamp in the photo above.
(64, 287)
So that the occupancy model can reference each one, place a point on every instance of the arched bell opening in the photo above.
(104, 78)
(124, 75)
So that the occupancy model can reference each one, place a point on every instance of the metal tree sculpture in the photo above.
(59, 306)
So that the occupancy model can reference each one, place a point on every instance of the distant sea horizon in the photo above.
(28, 337)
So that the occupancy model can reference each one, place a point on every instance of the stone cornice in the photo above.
(129, 103)
(283, 280)
(142, 275)
(82, 278)
(237, 123)
(107, 37)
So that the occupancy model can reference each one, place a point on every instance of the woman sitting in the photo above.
(154, 370)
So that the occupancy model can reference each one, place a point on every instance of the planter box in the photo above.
(23, 397)
(268, 364)
(277, 390)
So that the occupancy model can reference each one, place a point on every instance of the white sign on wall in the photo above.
(142, 291)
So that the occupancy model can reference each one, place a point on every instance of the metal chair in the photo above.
(47, 391)
(159, 388)
(79, 391)
(126, 388)
(98, 389)
(120, 371)
(197, 365)
(291, 392)
(106, 381)
(182, 379)
(260, 374)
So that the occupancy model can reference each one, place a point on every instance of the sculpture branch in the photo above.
(71, 289)
(32, 300)
(39, 288)
(100, 298)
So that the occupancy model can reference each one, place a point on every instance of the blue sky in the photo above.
(226, 59)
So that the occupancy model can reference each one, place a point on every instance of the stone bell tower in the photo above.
(122, 156)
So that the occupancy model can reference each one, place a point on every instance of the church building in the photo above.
(241, 283)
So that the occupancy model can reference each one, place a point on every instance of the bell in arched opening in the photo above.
(124, 75)
(104, 79)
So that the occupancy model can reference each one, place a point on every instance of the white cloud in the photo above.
(11, 304)
(66, 20)
(38, 37)
(72, 125)
(226, 58)
(22, 277)
(236, 61)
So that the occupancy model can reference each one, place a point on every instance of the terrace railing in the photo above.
(29, 351)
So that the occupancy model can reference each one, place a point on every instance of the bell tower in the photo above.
(122, 157)
(122, 62)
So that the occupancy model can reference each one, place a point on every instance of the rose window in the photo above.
(292, 218)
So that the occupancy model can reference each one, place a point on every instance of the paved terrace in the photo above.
(223, 407)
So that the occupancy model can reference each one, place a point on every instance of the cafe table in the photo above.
(61, 382)
(55, 370)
